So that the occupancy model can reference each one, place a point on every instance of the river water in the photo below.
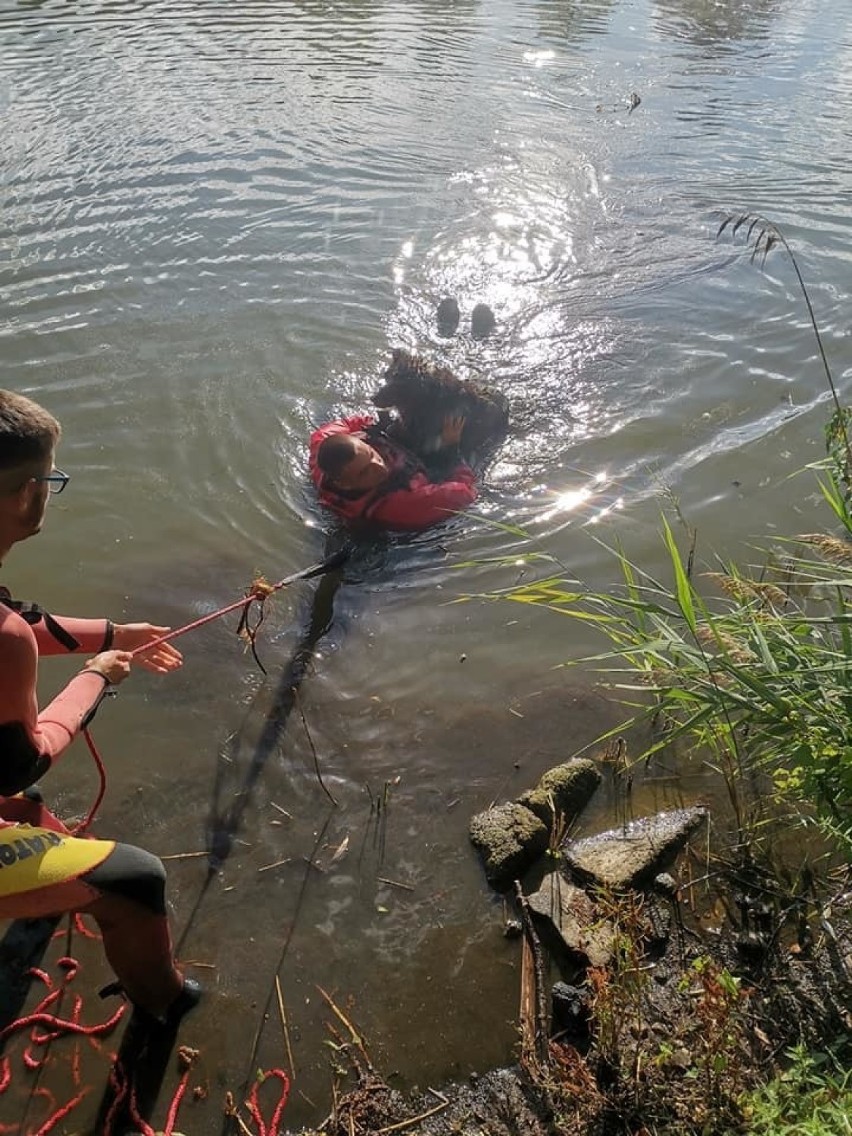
(216, 222)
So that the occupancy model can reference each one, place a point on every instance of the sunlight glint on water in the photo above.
(216, 224)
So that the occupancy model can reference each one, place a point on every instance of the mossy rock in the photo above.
(509, 839)
(567, 788)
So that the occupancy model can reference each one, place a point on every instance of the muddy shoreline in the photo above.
(647, 1003)
(684, 1053)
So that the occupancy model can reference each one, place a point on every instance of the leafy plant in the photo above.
(720, 1045)
(813, 1097)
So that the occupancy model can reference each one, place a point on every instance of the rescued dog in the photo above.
(423, 395)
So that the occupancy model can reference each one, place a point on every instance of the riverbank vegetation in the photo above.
(739, 1024)
(748, 670)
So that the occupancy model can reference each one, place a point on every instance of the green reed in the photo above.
(751, 668)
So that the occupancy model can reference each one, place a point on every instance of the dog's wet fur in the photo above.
(423, 395)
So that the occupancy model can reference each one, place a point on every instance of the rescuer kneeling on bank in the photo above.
(44, 870)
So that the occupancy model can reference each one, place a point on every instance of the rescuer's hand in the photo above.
(162, 659)
(113, 665)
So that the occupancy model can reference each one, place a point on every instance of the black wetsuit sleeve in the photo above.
(21, 764)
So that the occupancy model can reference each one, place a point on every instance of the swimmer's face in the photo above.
(366, 469)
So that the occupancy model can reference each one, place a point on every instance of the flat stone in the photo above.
(631, 856)
(575, 918)
(509, 839)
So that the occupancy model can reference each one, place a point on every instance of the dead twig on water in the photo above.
(323, 786)
(540, 1038)
(277, 864)
(184, 855)
(284, 1026)
(355, 1037)
(395, 883)
(232, 1112)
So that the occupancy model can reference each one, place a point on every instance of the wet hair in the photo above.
(335, 454)
(28, 433)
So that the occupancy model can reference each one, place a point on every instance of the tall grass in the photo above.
(751, 669)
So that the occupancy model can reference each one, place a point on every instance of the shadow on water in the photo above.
(240, 766)
(143, 1059)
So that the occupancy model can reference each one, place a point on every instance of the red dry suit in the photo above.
(409, 500)
(44, 869)
(30, 742)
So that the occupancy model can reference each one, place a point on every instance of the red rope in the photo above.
(254, 1108)
(259, 591)
(79, 829)
(140, 1122)
(63, 1025)
(171, 1117)
(245, 602)
(81, 928)
(118, 1084)
(57, 1027)
(61, 1113)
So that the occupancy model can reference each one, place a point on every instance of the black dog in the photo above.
(424, 395)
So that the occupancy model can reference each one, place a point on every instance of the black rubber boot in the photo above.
(187, 1000)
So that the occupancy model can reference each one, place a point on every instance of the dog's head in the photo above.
(408, 381)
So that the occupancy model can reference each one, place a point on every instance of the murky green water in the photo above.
(216, 222)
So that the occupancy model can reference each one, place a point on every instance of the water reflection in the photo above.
(718, 27)
(574, 20)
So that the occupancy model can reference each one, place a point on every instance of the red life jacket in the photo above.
(408, 500)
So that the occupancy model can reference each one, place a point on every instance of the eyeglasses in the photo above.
(56, 480)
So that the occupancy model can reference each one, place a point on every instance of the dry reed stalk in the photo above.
(356, 1038)
(415, 1119)
(277, 864)
(232, 1113)
(526, 1012)
(395, 883)
(539, 999)
(284, 1027)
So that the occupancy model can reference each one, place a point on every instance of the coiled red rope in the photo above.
(254, 1108)
(56, 1027)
